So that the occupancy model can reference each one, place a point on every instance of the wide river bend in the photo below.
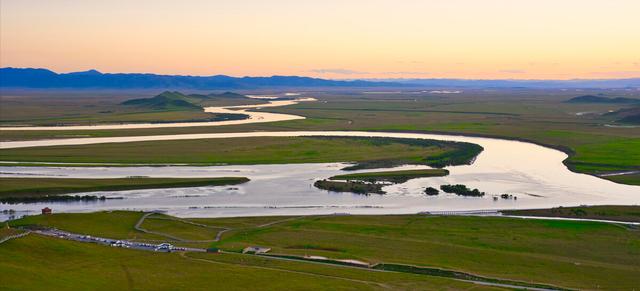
(535, 174)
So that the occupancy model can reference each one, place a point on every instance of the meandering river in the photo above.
(535, 174)
(254, 117)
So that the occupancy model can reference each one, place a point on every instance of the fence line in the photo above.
(19, 235)
(462, 212)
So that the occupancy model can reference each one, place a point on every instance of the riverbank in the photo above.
(373, 152)
(286, 189)
(603, 212)
(32, 188)
(596, 170)
(592, 148)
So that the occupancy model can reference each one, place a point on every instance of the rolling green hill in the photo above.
(174, 100)
(165, 101)
(602, 99)
(627, 115)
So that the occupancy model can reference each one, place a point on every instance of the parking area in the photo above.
(162, 247)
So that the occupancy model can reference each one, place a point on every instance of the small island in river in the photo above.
(372, 182)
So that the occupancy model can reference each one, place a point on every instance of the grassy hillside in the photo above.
(602, 99)
(164, 101)
(626, 115)
(174, 100)
(34, 261)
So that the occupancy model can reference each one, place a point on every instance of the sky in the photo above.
(339, 39)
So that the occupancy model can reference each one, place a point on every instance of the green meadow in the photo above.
(393, 176)
(602, 212)
(34, 261)
(80, 107)
(540, 116)
(34, 187)
(567, 254)
(262, 150)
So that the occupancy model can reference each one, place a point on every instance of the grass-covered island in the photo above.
(372, 182)
(357, 187)
(462, 190)
(372, 152)
(605, 212)
(392, 176)
(17, 190)
(431, 191)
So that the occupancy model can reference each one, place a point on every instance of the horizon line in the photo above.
(333, 79)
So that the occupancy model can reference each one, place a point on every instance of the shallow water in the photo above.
(533, 173)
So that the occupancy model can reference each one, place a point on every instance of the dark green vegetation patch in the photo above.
(366, 183)
(602, 99)
(461, 190)
(51, 198)
(357, 187)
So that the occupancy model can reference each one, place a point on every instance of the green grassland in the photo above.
(569, 254)
(35, 187)
(180, 228)
(34, 261)
(111, 224)
(625, 179)
(540, 116)
(5, 232)
(580, 255)
(542, 119)
(393, 176)
(606, 212)
(262, 150)
(89, 107)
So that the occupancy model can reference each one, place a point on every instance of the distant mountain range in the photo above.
(43, 78)
(509, 83)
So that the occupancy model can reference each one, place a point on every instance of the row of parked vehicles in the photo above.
(163, 247)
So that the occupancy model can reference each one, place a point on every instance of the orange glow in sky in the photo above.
(519, 39)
